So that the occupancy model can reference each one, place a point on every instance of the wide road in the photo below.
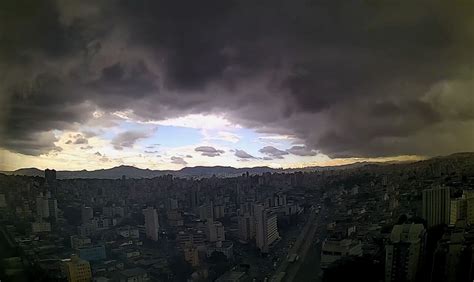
(301, 247)
(307, 242)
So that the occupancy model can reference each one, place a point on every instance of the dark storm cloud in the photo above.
(209, 151)
(273, 152)
(348, 78)
(301, 151)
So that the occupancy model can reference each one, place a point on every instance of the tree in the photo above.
(354, 269)
(220, 264)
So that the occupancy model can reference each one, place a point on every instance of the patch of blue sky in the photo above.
(252, 142)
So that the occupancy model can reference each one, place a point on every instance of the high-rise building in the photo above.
(50, 176)
(219, 211)
(266, 229)
(87, 213)
(215, 231)
(50, 180)
(436, 206)
(453, 260)
(470, 211)
(194, 198)
(246, 208)
(46, 206)
(458, 210)
(53, 207)
(3, 202)
(151, 223)
(468, 197)
(206, 211)
(76, 269)
(42, 206)
(246, 227)
(404, 252)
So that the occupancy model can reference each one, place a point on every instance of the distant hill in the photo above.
(219, 171)
(133, 172)
(26, 172)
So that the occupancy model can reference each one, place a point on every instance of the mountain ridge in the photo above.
(196, 171)
(204, 171)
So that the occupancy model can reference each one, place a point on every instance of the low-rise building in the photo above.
(333, 250)
(136, 274)
(92, 253)
(225, 247)
(40, 227)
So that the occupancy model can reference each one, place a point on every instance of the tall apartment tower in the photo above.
(246, 227)
(50, 180)
(436, 206)
(87, 213)
(77, 270)
(206, 211)
(468, 196)
(215, 231)
(151, 223)
(194, 198)
(458, 210)
(42, 206)
(266, 229)
(404, 252)
(53, 207)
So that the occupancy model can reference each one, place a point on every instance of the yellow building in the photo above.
(458, 210)
(191, 255)
(470, 211)
(77, 270)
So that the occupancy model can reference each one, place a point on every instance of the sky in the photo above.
(167, 84)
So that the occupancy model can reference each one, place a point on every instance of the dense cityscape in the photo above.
(375, 222)
(236, 141)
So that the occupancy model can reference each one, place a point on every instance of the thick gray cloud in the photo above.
(209, 151)
(272, 152)
(77, 139)
(301, 151)
(81, 140)
(242, 154)
(178, 160)
(127, 139)
(348, 78)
